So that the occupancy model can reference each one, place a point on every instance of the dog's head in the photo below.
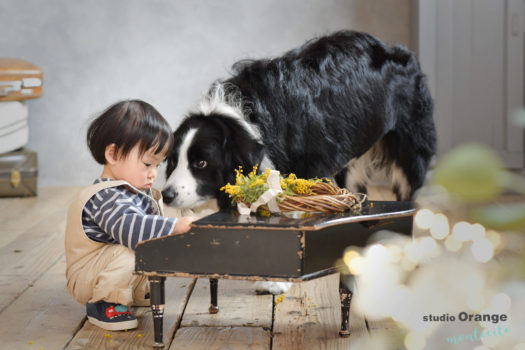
(208, 148)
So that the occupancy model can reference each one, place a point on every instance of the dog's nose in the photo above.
(168, 195)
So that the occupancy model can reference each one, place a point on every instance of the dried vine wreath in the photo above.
(270, 192)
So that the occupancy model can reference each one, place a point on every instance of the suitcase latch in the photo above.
(15, 178)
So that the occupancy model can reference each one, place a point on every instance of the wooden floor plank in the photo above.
(24, 215)
(44, 314)
(386, 328)
(27, 212)
(31, 254)
(309, 317)
(221, 338)
(238, 304)
(177, 294)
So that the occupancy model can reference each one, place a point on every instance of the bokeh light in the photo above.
(424, 218)
(439, 227)
(461, 231)
(501, 302)
(477, 231)
(349, 255)
(476, 301)
(490, 341)
(428, 248)
(415, 341)
(395, 252)
(482, 250)
(452, 244)
(434, 271)
(356, 265)
(494, 237)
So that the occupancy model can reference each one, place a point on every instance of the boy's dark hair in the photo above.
(126, 124)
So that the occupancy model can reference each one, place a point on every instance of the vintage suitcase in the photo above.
(14, 129)
(19, 80)
(18, 173)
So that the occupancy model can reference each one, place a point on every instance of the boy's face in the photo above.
(139, 171)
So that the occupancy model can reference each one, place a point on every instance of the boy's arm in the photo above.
(183, 225)
(128, 224)
(131, 228)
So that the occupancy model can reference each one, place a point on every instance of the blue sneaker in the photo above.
(110, 316)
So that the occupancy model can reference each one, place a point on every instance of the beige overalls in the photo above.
(101, 271)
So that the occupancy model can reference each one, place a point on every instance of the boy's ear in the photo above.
(111, 154)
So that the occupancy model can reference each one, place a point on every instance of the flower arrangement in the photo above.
(270, 192)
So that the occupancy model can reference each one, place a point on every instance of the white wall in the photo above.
(94, 53)
(473, 54)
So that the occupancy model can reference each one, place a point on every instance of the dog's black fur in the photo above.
(311, 112)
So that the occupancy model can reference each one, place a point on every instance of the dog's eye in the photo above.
(200, 164)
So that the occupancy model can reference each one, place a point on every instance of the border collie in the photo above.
(344, 106)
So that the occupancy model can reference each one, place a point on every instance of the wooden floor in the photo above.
(36, 311)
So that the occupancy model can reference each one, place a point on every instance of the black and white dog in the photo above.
(344, 106)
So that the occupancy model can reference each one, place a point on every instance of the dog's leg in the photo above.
(407, 174)
(340, 178)
(399, 183)
(356, 176)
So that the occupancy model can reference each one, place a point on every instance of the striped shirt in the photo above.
(118, 215)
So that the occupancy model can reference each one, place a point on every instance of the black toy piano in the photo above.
(292, 247)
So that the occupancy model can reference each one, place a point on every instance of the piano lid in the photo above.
(371, 211)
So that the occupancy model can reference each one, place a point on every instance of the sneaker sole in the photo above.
(117, 326)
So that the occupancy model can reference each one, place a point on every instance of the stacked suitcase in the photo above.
(19, 81)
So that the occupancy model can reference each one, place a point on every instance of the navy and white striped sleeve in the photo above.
(127, 223)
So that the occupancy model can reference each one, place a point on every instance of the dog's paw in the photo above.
(266, 287)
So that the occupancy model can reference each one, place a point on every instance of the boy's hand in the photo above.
(183, 225)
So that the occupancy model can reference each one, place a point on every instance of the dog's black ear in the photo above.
(246, 153)
(241, 148)
(178, 137)
(172, 160)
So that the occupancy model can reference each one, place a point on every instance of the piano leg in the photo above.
(214, 308)
(157, 307)
(346, 297)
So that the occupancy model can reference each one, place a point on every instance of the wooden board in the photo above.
(29, 209)
(239, 306)
(386, 328)
(19, 215)
(44, 314)
(178, 291)
(31, 239)
(309, 317)
(24, 260)
(221, 338)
